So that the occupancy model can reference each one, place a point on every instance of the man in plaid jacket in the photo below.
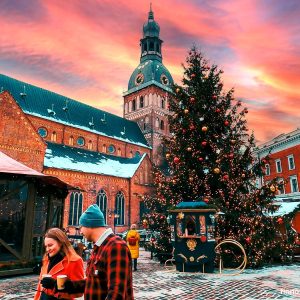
(108, 273)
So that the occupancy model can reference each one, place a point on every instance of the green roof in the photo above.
(191, 205)
(63, 157)
(39, 102)
(152, 71)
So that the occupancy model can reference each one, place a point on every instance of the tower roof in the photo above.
(151, 69)
(151, 27)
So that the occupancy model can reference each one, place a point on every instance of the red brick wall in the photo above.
(64, 133)
(18, 138)
(282, 155)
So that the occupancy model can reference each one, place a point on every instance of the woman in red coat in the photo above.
(60, 259)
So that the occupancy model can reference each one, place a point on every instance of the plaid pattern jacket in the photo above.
(109, 273)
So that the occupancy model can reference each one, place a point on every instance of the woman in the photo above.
(60, 259)
(133, 239)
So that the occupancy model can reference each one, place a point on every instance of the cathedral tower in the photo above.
(149, 87)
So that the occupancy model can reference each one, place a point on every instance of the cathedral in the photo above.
(107, 159)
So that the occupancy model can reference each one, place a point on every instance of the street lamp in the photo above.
(115, 214)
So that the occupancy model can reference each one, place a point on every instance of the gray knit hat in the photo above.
(92, 217)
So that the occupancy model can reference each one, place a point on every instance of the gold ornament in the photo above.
(217, 170)
(186, 111)
(180, 215)
(272, 188)
(191, 243)
(192, 258)
(189, 149)
(204, 128)
(167, 155)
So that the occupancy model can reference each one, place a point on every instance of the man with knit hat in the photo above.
(108, 273)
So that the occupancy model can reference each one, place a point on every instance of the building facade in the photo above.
(284, 162)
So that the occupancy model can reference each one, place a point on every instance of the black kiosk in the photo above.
(193, 236)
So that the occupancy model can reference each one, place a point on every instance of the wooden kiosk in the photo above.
(193, 235)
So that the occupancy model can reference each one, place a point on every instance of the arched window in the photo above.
(90, 145)
(119, 153)
(120, 208)
(71, 140)
(104, 148)
(102, 203)
(157, 47)
(163, 103)
(141, 102)
(75, 208)
(133, 105)
(162, 125)
(151, 46)
(130, 154)
(142, 176)
(157, 122)
(53, 136)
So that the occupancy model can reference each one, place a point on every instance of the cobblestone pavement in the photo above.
(153, 281)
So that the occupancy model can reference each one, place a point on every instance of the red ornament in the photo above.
(192, 100)
(218, 110)
(200, 159)
(176, 160)
(206, 200)
(226, 177)
(214, 97)
(192, 127)
(248, 240)
(203, 238)
(280, 220)
(204, 143)
(226, 123)
(204, 128)
(193, 75)
(231, 155)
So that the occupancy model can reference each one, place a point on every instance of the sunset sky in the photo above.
(87, 49)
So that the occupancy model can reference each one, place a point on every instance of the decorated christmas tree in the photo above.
(210, 154)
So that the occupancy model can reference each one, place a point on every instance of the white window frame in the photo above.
(291, 167)
(276, 163)
(268, 170)
(292, 178)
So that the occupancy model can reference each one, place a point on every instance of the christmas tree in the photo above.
(210, 154)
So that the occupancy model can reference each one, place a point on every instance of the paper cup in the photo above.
(61, 279)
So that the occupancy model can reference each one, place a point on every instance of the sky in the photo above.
(87, 50)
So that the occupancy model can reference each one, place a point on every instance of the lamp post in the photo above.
(113, 213)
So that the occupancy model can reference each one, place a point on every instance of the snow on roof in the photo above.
(285, 208)
(81, 160)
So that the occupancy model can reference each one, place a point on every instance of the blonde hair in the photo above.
(133, 226)
(59, 236)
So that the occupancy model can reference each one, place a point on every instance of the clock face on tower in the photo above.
(164, 79)
(139, 79)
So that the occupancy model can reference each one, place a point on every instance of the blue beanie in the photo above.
(92, 217)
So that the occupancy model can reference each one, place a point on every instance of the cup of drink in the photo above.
(46, 275)
(61, 279)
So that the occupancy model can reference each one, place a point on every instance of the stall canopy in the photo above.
(10, 166)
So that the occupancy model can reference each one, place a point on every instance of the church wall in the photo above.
(18, 138)
(99, 143)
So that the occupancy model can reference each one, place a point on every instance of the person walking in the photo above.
(133, 241)
(109, 270)
(60, 259)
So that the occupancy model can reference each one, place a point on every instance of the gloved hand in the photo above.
(48, 282)
(69, 286)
